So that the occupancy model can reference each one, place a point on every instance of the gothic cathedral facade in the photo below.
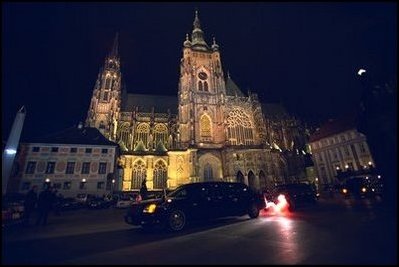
(212, 131)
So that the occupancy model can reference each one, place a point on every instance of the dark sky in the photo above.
(304, 55)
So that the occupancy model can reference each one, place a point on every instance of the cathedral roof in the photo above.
(333, 127)
(232, 89)
(274, 111)
(145, 103)
(74, 135)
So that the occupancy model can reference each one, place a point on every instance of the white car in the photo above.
(124, 202)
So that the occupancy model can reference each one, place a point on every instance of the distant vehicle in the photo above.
(98, 203)
(84, 198)
(124, 201)
(69, 203)
(361, 187)
(296, 195)
(196, 201)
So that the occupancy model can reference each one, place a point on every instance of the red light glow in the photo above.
(281, 206)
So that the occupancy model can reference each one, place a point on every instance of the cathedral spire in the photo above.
(197, 36)
(115, 46)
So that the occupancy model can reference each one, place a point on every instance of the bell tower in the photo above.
(202, 92)
(105, 103)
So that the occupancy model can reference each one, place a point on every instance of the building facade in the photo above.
(338, 147)
(77, 160)
(210, 131)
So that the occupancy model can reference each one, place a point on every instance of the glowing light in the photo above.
(370, 163)
(337, 168)
(364, 189)
(361, 71)
(367, 177)
(373, 189)
(47, 180)
(84, 180)
(346, 166)
(113, 181)
(344, 191)
(169, 200)
(150, 208)
(11, 151)
(317, 179)
(379, 176)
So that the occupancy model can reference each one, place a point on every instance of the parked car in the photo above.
(296, 195)
(361, 187)
(98, 203)
(69, 203)
(125, 201)
(196, 201)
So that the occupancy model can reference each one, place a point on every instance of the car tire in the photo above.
(253, 211)
(176, 220)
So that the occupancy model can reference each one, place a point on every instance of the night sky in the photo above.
(303, 55)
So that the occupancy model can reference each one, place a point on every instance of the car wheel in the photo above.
(176, 220)
(253, 211)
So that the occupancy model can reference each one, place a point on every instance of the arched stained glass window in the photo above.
(161, 134)
(160, 175)
(139, 174)
(239, 128)
(205, 126)
(124, 134)
(142, 133)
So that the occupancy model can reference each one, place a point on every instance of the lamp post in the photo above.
(84, 183)
(112, 186)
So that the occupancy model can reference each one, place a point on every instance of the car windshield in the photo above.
(178, 192)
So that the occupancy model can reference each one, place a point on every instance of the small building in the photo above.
(338, 147)
(76, 160)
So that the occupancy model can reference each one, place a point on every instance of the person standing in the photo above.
(30, 203)
(44, 205)
(143, 190)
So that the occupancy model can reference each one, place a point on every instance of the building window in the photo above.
(206, 86)
(160, 134)
(102, 168)
(104, 151)
(200, 86)
(139, 174)
(205, 126)
(30, 168)
(362, 148)
(35, 149)
(142, 134)
(346, 150)
(74, 149)
(67, 185)
(54, 149)
(70, 169)
(100, 185)
(86, 168)
(25, 186)
(50, 167)
(57, 186)
(88, 150)
(124, 134)
(208, 172)
(160, 175)
(343, 139)
(239, 128)
(107, 83)
(105, 98)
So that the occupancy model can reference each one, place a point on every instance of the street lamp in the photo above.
(113, 184)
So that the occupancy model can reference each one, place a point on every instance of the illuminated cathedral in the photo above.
(210, 131)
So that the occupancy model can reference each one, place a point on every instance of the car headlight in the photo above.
(150, 208)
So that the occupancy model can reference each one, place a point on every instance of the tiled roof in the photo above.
(161, 103)
(232, 89)
(333, 127)
(74, 135)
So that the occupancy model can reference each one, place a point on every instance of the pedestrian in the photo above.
(44, 205)
(143, 190)
(30, 203)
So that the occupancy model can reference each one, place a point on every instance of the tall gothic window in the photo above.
(160, 175)
(139, 174)
(161, 134)
(205, 126)
(124, 134)
(200, 86)
(206, 86)
(105, 98)
(239, 128)
(108, 83)
(142, 133)
(208, 172)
